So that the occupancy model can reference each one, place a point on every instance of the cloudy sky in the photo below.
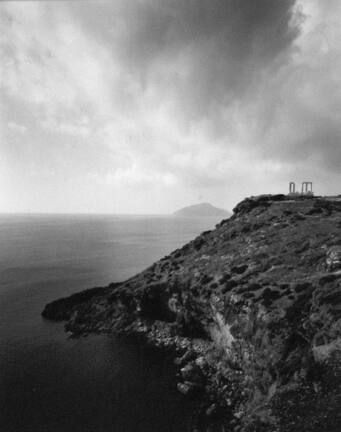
(147, 106)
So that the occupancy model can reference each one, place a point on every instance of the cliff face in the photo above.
(252, 310)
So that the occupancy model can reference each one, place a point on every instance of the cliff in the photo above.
(251, 311)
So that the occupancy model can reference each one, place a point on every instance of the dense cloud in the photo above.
(243, 70)
(210, 53)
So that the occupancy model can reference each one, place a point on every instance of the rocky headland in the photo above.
(251, 312)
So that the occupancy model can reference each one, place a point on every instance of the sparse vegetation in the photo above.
(251, 311)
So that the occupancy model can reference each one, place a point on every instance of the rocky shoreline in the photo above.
(251, 313)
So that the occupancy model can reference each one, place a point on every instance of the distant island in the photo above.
(202, 210)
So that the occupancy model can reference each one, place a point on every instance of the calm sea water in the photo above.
(49, 383)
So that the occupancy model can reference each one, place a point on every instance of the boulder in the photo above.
(191, 372)
(333, 258)
(188, 388)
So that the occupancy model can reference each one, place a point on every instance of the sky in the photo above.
(148, 106)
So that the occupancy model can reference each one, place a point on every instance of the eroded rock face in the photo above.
(252, 310)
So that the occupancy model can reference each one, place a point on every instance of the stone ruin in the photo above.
(306, 189)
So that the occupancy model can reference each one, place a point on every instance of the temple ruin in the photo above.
(306, 189)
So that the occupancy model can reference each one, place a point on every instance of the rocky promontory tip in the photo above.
(62, 309)
(202, 210)
(251, 312)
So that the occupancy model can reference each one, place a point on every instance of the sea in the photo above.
(50, 382)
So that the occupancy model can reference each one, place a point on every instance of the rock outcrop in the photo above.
(251, 311)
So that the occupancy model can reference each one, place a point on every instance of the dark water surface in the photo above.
(49, 383)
